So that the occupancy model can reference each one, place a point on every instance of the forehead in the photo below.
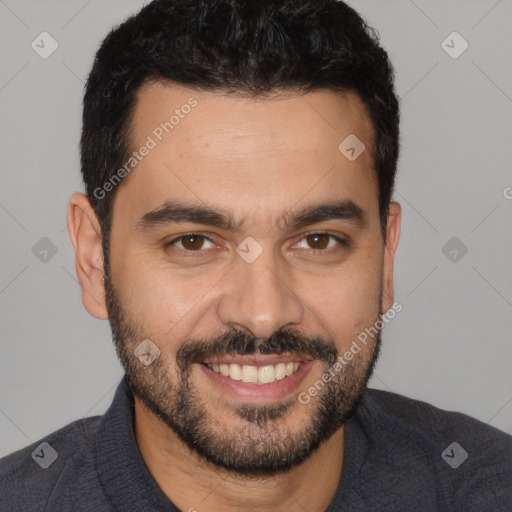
(219, 116)
(243, 152)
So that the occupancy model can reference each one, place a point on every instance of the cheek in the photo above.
(165, 303)
(347, 301)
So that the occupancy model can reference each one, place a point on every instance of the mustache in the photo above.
(236, 342)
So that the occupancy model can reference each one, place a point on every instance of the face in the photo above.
(248, 249)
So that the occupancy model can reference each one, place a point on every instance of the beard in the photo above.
(259, 444)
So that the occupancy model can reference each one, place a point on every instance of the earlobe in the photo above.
(85, 233)
(392, 239)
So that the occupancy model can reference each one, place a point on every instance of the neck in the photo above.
(194, 485)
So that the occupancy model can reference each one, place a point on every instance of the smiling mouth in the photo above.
(257, 378)
(264, 374)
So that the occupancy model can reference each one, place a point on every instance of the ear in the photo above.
(392, 238)
(85, 233)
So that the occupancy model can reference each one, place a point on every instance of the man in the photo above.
(238, 232)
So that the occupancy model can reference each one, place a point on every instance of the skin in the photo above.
(256, 160)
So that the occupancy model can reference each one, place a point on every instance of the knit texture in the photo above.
(399, 456)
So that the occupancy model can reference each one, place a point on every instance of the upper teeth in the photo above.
(256, 374)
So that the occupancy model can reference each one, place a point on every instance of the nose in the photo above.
(258, 297)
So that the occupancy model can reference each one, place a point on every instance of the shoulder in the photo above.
(31, 476)
(465, 460)
(403, 415)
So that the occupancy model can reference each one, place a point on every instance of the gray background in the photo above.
(449, 346)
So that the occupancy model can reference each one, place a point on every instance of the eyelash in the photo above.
(343, 243)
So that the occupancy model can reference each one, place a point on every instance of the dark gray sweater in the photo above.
(400, 455)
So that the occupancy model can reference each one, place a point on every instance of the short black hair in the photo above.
(253, 47)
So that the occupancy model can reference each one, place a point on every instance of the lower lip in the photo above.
(272, 391)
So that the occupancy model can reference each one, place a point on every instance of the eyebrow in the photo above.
(177, 212)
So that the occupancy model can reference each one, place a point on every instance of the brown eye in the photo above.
(318, 240)
(192, 242)
(323, 243)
